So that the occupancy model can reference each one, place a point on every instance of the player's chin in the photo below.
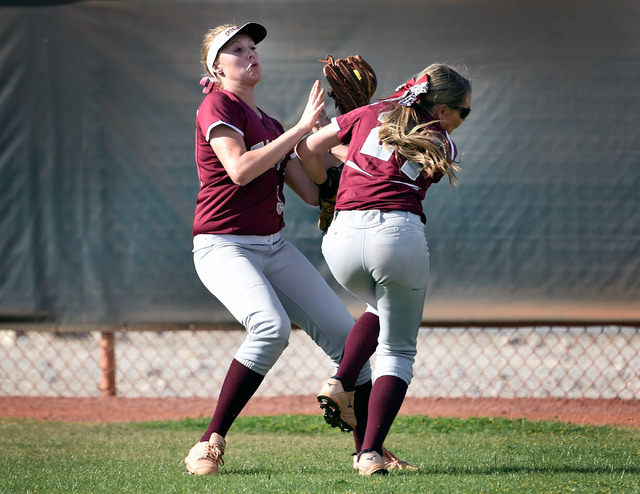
(255, 73)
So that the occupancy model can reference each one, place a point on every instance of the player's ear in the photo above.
(441, 111)
(217, 70)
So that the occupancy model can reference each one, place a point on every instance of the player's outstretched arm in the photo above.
(244, 165)
(310, 149)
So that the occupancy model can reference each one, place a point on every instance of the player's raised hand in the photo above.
(314, 107)
(323, 121)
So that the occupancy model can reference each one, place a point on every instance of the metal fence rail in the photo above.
(507, 362)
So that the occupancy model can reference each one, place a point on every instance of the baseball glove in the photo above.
(352, 81)
(328, 192)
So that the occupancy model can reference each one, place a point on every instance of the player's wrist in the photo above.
(329, 188)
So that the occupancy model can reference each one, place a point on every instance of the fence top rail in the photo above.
(228, 326)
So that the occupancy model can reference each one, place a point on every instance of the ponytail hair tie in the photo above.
(209, 85)
(409, 92)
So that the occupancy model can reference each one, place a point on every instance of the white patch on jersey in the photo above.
(411, 169)
(382, 116)
(374, 148)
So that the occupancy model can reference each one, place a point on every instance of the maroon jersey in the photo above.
(374, 177)
(222, 206)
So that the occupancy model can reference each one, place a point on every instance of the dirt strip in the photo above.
(113, 409)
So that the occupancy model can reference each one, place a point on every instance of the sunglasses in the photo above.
(464, 112)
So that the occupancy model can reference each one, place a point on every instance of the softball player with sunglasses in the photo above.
(376, 246)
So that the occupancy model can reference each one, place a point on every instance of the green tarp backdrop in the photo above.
(98, 181)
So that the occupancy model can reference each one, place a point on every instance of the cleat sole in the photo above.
(332, 414)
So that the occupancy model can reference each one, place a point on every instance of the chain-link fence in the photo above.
(506, 362)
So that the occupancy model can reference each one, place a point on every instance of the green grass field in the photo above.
(302, 454)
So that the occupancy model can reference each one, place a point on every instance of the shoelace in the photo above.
(213, 453)
(216, 453)
(392, 461)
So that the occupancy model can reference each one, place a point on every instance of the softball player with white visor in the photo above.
(244, 158)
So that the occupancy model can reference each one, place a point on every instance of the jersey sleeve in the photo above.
(346, 124)
(219, 109)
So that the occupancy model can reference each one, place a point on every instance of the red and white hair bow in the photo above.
(409, 92)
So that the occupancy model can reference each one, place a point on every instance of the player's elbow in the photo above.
(239, 179)
(309, 195)
(239, 175)
(243, 171)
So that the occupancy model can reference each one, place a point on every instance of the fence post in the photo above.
(108, 364)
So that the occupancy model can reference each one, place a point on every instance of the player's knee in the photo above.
(273, 334)
(263, 350)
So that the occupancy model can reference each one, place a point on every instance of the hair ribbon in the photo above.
(409, 92)
(209, 85)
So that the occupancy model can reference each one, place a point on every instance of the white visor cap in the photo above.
(255, 31)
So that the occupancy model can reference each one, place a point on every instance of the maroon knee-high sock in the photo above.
(386, 399)
(238, 387)
(361, 409)
(361, 343)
